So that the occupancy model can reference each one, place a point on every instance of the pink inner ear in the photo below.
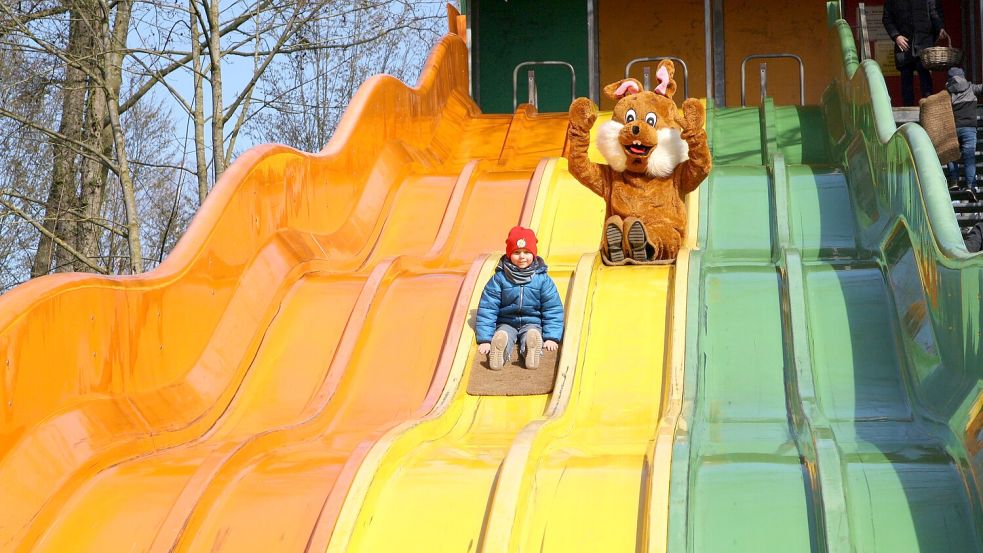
(626, 88)
(663, 75)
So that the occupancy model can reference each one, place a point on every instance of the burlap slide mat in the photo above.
(512, 379)
(630, 261)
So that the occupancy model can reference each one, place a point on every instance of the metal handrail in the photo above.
(802, 74)
(763, 81)
(532, 81)
(648, 85)
(864, 33)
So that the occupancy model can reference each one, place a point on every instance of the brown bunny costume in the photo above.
(655, 157)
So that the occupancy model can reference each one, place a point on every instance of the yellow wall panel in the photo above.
(628, 30)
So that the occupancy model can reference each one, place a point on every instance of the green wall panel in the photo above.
(505, 33)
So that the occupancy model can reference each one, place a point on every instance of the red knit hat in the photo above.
(520, 237)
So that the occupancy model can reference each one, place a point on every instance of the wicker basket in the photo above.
(940, 58)
(935, 116)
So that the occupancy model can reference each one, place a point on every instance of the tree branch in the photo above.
(110, 226)
(61, 243)
(85, 149)
(159, 75)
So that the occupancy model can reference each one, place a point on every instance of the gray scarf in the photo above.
(517, 275)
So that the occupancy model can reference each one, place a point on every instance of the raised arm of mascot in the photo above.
(654, 158)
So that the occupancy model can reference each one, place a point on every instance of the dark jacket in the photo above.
(920, 21)
(974, 240)
(505, 302)
(964, 97)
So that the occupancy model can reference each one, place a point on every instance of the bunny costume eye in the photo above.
(650, 118)
(630, 116)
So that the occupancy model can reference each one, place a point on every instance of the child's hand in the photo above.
(550, 345)
(483, 349)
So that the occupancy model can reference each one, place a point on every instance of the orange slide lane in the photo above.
(225, 398)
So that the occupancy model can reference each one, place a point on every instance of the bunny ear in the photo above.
(625, 89)
(622, 88)
(666, 86)
(663, 75)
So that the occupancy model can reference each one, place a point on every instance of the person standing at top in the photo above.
(965, 96)
(913, 26)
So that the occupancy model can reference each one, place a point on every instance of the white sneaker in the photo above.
(496, 357)
(534, 348)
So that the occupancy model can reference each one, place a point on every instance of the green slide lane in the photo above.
(748, 487)
(833, 378)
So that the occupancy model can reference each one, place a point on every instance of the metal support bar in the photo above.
(864, 33)
(719, 55)
(660, 58)
(763, 83)
(708, 41)
(975, 19)
(531, 91)
(515, 79)
(593, 54)
(979, 37)
(647, 78)
(802, 74)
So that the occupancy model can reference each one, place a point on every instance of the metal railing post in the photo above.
(534, 92)
(763, 75)
(802, 74)
(648, 83)
(531, 91)
(708, 50)
(864, 36)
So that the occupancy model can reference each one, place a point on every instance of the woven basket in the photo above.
(935, 116)
(939, 58)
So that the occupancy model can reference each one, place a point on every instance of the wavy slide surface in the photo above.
(477, 475)
(828, 399)
(225, 400)
(293, 377)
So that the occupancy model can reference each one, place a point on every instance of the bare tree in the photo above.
(304, 98)
(96, 179)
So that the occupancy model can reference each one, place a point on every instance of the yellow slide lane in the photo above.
(583, 479)
(594, 476)
(426, 486)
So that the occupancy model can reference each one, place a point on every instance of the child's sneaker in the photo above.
(534, 348)
(496, 357)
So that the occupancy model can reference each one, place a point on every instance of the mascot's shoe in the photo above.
(496, 357)
(637, 240)
(613, 240)
(534, 348)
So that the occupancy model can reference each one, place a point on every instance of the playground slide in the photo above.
(225, 399)
(293, 376)
(442, 468)
(461, 478)
(832, 389)
(591, 475)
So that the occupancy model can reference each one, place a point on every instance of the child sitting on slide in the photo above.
(519, 304)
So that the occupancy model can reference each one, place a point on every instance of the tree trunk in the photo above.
(129, 193)
(94, 174)
(62, 194)
(113, 78)
(218, 110)
(199, 110)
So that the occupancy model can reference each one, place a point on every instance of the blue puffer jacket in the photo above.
(505, 302)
